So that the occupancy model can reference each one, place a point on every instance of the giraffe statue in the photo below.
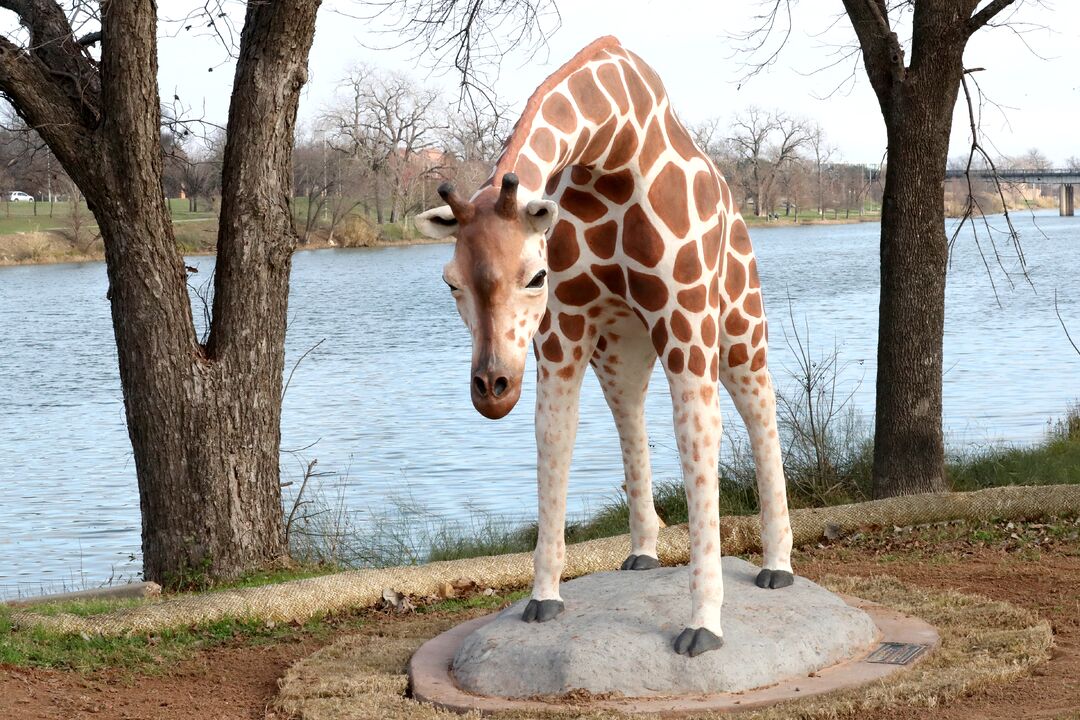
(611, 240)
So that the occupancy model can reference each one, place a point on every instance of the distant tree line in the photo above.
(383, 145)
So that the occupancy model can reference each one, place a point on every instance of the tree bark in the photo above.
(204, 422)
(917, 104)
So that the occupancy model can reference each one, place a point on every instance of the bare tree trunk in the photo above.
(203, 421)
(378, 200)
(917, 105)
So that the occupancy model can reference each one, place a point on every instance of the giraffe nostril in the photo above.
(479, 386)
(500, 386)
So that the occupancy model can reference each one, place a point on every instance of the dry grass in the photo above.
(31, 248)
(982, 641)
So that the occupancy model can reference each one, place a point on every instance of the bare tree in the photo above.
(204, 418)
(766, 142)
(917, 97)
(823, 153)
(384, 121)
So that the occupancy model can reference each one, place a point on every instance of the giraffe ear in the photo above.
(541, 214)
(437, 223)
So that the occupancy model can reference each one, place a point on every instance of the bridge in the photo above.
(1067, 179)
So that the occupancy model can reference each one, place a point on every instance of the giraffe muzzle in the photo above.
(494, 392)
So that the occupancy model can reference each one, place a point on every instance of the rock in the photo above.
(617, 631)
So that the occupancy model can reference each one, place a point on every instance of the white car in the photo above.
(19, 196)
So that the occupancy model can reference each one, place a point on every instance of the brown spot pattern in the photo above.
(528, 173)
(737, 355)
(651, 148)
(580, 175)
(566, 372)
(692, 299)
(612, 277)
(752, 304)
(545, 322)
(553, 183)
(714, 291)
(680, 326)
(622, 149)
(563, 250)
(755, 339)
(591, 103)
(708, 331)
(714, 367)
(601, 239)
(582, 204)
(581, 144)
(759, 360)
(600, 142)
(558, 111)
(712, 243)
(740, 238)
(648, 290)
(675, 360)
(639, 95)
(572, 326)
(755, 281)
(667, 195)
(601, 343)
(640, 239)
(578, 291)
(687, 267)
(697, 361)
(734, 278)
(659, 337)
(650, 76)
(736, 325)
(612, 82)
(617, 187)
(706, 197)
(677, 136)
(543, 144)
(552, 348)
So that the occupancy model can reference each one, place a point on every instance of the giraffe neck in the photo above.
(594, 112)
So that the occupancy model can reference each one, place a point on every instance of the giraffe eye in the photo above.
(453, 288)
(537, 281)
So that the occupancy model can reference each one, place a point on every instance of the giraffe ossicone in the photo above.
(606, 237)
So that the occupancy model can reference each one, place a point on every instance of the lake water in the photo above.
(383, 402)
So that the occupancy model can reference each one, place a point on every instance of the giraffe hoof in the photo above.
(694, 641)
(774, 579)
(542, 610)
(640, 562)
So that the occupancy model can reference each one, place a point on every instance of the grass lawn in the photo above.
(16, 217)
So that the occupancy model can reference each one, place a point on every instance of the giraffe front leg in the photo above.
(697, 429)
(557, 390)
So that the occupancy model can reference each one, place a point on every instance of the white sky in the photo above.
(690, 44)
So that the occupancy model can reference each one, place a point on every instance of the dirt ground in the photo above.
(241, 681)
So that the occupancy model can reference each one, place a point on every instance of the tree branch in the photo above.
(53, 44)
(987, 14)
(45, 106)
(882, 53)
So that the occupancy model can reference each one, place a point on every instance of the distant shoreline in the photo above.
(65, 258)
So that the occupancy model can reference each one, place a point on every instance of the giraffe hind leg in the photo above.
(623, 364)
(755, 400)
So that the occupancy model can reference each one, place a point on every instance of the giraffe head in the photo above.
(498, 276)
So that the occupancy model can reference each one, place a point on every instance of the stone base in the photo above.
(614, 643)
(616, 635)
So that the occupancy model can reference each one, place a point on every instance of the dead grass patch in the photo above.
(982, 641)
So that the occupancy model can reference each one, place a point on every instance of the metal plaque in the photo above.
(892, 653)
